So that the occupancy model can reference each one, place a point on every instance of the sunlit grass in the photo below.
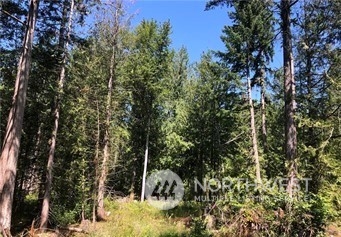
(136, 219)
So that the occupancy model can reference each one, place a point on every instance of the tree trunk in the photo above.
(106, 154)
(46, 200)
(106, 149)
(253, 133)
(264, 129)
(145, 162)
(11, 145)
(102, 178)
(132, 184)
(289, 97)
(96, 166)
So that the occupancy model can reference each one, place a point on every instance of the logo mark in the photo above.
(164, 189)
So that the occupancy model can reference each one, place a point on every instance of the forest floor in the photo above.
(136, 219)
(333, 230)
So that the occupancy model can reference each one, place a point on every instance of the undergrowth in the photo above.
(140, 219)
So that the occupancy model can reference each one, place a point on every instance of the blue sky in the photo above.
(193, 27)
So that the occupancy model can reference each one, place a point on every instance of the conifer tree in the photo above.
(146, 66)
(65, 34)
(111, 30)
(318, 92)
(248, 48)
(11, 145)
(289, 96)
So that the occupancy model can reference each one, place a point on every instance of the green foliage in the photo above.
(136, 219)
(267, 215)
(63, 217)
(199, 228)
(318, 97)
(249, 41)
(186, 208)
(175, 114)
(196, 115)
(145, 70)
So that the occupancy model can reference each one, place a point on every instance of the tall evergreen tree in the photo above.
(175, 113)
(318, 93)
(212, 95)
(64, 39)
(249, 44)
(111, 30)
(146, 66)
(289, 96)
(11, 145)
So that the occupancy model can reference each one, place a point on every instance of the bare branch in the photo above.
(13, 17)
(235, 138)
(293, 3)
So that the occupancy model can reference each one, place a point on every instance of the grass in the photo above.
(137, 219)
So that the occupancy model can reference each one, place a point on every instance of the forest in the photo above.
(87, 113)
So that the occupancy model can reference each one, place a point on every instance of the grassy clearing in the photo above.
(140, 219)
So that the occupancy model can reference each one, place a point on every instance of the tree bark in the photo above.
(106, 147)
(98, 133)
(11, 145)
(145, 161)
(289, 97)
(253, 133)
(132, 184)
(49, 174)
(264, 129)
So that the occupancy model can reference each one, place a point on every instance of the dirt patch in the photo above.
(333, 231)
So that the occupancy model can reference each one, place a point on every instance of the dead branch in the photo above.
(13, 17)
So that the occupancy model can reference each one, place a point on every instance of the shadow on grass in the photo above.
(185, 209)
(188, 211)
(24, 214)
(173, 235)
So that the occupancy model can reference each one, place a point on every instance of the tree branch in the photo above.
(293, 3)
(14, 17)
(235, 138)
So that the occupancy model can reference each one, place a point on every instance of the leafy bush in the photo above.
(271, 214)
(184, 209)
(198, 228)
(62, 217)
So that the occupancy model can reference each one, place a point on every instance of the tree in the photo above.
(81, 129)
(212, 101)
(94, 70)
(249, 47)
(146, 66)
(11, 145)
(289, 96)
(175, 113)
(64, 43)
(318, 95)
(111, 31)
